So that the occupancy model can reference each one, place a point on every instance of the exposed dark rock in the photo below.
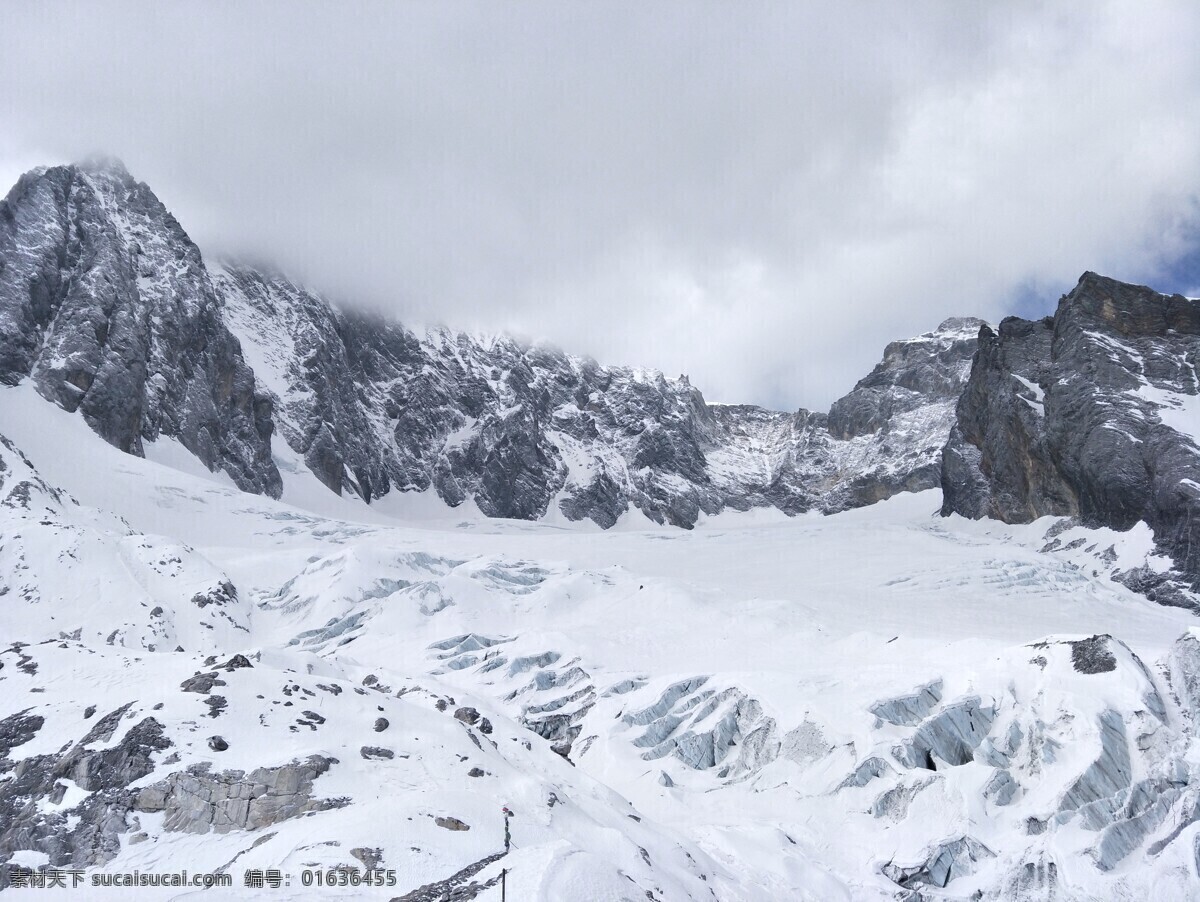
(107, 306)
(467, 715)
(216, 704)
(451, 823)
(381, 724)
(1093, 655)
(89, 833)
(375, 753)
(370, 858)
(911, 374)
(17, 729)
(217, 743)
(455, 887)
(201, 682)
(1076, 415)
(103, 729)
(1170, 588)
(221, 594)
(373, 408)
(110, 309)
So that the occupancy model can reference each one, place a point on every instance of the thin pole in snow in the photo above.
(507, 847)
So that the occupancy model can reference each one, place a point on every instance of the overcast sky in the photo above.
(758, 195)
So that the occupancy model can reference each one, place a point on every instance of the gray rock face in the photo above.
(1093, 655)
(202, 682)
(466, 715)
(197, 801)
(371, 407)
(15, 730)
(999, 431)
(1087, 414)
(89, 833)
(912, 374)
(455, 888)
(106, 305)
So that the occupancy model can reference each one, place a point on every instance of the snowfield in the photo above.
(877, 704)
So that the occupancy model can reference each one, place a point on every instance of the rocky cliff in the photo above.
(109, 308)
(106, 305)
(520, 430)
(1092, 413)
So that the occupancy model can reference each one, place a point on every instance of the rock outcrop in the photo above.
(199, 801)
(371, 407)
(1091, 413)
(89, 833)
(106, 305)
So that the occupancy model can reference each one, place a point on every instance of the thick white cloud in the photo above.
(759, 195)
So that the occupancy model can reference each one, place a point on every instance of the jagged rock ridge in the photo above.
(518, 429)
(109, 308)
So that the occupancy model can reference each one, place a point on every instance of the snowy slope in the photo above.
(857, 706)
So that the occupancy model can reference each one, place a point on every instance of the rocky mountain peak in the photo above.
(931, 368)
(104, 164)
(111, 310)
(1128, 310)
(1092, 413)
(107, 307)
(960, 325)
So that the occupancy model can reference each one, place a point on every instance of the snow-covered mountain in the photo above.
(106, 305)
(284, 587)
(110, 309)
(875, 703)
(1093, 413)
